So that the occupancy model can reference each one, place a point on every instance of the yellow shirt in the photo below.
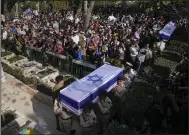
(57, 87)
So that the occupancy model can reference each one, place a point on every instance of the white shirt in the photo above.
(75, 39)
(77, 20)
(134, 50)
(22, 32)
(16, 20)
(95, 17)
(155, 27)
(131, 73)
(5, 35)
(70, 17)
(112, 18)
(136, 36)
(25, 27)
(3, 18)
(35, 12)
(55, 25)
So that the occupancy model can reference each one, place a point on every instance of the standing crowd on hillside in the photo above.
(108, 36)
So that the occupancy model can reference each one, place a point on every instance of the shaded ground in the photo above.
(145, 90)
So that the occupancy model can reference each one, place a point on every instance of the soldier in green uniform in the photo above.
(87, 120)
(55, 96)
(59, 85)
(104, 105)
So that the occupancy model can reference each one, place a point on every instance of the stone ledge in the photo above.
(21, 122)
(34, 93)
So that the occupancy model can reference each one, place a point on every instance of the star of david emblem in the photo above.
(95, 78)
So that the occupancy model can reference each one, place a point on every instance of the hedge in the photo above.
(32, 81)
(6, 53)
(177, 46)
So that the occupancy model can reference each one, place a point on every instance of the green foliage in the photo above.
(15, 58)
(136, 101)
(177, 46)
(166, 2)
(58, 5)
(164, 66)
(115, 62)
(73, 4)
(68, 80)
(45, 73)
(6, 53)
(18, 73)
(29, 4)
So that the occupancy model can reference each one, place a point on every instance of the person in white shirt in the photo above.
(25, 27)
(21, 31)
(2, 75)
(56, 25)
(36, 12)
(77, 20)
(137, 35)
(134, 51)
(75, 38)
(3, 18)
(5, 34)
(111, 18)
(148, 56)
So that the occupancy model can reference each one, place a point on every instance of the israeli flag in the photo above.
(75, 96)
(27, 11)
(167, 31)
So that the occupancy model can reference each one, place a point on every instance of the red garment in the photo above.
(59, 49)
(96, 26)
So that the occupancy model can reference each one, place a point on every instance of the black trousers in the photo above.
(57, 121)
(55, 95)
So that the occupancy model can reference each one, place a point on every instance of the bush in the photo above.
(32, 81)
(18, 73)
(6, 53)
(115, 62)
(68, 80)
(177, 46)
(14, 59)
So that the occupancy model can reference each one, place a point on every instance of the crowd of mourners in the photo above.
(108, 36)
(128, 38)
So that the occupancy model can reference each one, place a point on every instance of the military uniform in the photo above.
(55, 91)
(65, 117)
(119, 90)
(104, 105)
(87, 122)
(116, 95)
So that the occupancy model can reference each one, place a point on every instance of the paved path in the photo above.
(14, 96)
